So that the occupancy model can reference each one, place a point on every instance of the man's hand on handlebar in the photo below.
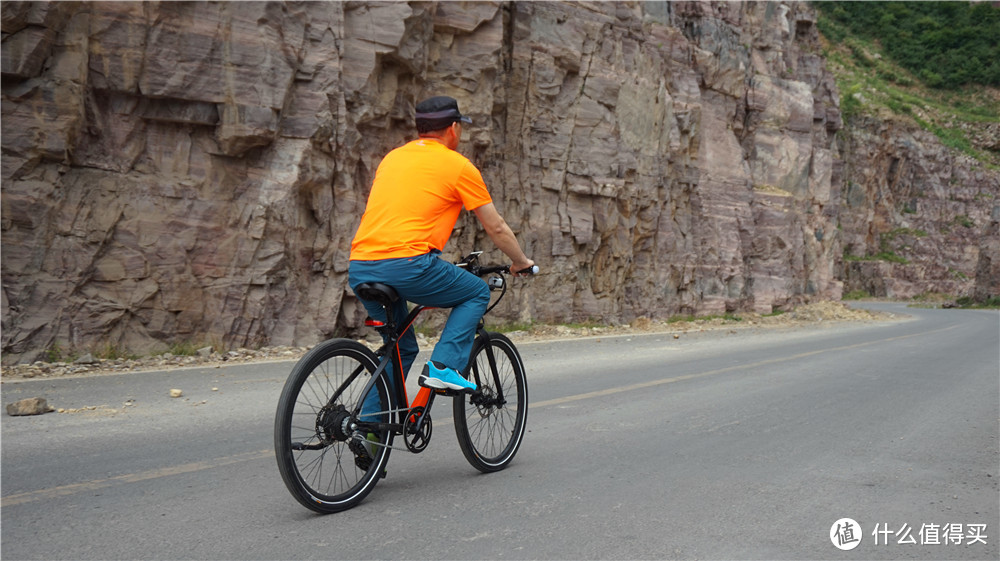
(522, 268)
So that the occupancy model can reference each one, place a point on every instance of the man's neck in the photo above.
(438, 139)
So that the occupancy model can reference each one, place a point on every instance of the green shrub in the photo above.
(946, 44)
(112, 351)
(56, 353)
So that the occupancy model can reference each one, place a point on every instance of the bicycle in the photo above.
(330, 455)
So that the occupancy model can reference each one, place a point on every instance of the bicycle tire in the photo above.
(316, 462)
(491, 434)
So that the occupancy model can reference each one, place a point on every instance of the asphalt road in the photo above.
(723, 445)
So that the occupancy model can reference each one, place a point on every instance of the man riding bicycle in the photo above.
(417, 194)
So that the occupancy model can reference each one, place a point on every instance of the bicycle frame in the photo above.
(330, 456)
(389, 352)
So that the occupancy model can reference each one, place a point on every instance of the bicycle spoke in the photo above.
(488, 432)
(316, 462)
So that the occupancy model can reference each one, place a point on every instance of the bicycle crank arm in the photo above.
(381, 445)
(303, 446)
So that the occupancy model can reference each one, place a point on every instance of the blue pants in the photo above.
(429, 281)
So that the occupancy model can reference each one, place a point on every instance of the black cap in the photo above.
(438, 112)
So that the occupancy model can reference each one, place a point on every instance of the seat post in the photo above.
(384, 296)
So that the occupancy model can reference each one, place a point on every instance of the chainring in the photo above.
(417, 439)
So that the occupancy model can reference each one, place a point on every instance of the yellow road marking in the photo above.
(664, 381)
(65, 490)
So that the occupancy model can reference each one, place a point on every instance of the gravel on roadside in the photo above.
(809, 314)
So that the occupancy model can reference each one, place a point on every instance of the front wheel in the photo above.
(326, 460)
(490, 423)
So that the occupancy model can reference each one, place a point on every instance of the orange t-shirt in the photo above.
(418, 192)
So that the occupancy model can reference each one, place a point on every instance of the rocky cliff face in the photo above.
(195, 171)
(928, 213)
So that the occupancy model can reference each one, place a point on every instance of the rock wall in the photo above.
(195, 171)
(927, 210)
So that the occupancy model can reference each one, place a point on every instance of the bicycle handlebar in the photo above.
(483, 271)
(471, 263)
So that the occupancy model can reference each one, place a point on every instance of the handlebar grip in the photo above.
(533, 270)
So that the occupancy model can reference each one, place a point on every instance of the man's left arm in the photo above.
(502, 236)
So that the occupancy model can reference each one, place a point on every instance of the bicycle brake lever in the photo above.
(469, 259)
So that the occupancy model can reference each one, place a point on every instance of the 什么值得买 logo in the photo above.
(845, 534)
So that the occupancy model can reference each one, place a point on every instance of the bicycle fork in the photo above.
(480, 397)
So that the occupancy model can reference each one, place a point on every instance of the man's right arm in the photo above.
(501, 234)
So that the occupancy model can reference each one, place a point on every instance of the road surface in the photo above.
(746, 444)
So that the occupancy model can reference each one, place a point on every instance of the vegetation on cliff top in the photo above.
(934, 63)
(946, 44)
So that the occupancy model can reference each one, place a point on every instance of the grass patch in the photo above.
(895, 233)
(727, 316)
(969, 303)
(942, 300)
(108, 351)
(588, 324)
(932, 297)
(951, 137)
(888, 256)
(872, 82)
(183, 349)
(858, 294)
(964, 221)
(529, 326)
(111, 351)
(425, 330)
(886, 252)
(512, 327)
(56, 353)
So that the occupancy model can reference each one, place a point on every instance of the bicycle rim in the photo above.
(317, 457)
(491, 433)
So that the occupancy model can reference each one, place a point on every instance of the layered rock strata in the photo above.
(918, 218)
(195, 171)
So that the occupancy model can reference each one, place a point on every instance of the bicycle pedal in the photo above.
(365, 463)
(454, 393)
(361, 457)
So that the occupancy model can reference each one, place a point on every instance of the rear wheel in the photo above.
(490, 423)
(326, 460)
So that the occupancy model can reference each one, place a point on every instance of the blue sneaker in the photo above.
(441, 377)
